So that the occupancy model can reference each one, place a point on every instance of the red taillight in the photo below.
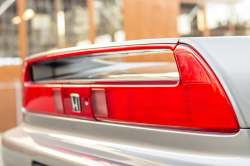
(57, 100)
(43, 98)
(205, 100)
(99, 102)
(198, 102)
(190, 69)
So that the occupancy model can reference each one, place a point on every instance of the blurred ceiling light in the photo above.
(83, 43)
(119, 36)
(61, 23)
(16, 20)
(217, 14)
(28, 14)
(183, 24)
(200, 20)
(242, 11)
(61, 29)
(107, 38)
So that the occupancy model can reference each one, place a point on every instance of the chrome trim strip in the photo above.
(53, 85)
(74, 81)
(87, 86)
(138, 86)
(98, 85)
(167, 130)
(65, 81)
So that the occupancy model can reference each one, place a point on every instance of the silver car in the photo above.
(152, 102)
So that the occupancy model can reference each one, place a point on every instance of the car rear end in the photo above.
(151, 102)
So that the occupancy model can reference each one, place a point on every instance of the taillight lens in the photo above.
(190, 69)
(43, 98)
(99, 102)
(206, 103)
(57, 100)
(197, 102)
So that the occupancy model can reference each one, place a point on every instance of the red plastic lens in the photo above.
(206, 102)
(99, 102)
(190, 69)
(42, 98)
(198, 102)
(57, 100)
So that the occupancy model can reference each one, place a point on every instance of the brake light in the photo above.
(198, 102)
(57, 100)
(43, 98)
(206, 102)
(99, 102)
(190, 69)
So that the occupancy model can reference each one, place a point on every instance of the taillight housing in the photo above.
(196, 102)
(206, 103)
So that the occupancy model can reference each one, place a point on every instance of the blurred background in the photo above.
(32, 26)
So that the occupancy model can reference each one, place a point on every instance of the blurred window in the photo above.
(40, 25)
(76, 22)
(108, 18)
(9, 44)
(216, 17)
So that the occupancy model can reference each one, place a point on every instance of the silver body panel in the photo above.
(65, 141)
(59, 141)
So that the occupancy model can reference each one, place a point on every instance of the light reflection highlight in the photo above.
(82, 160)
(173, 74)
(138, 150)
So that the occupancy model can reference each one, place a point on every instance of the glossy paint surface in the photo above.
(63, 141)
